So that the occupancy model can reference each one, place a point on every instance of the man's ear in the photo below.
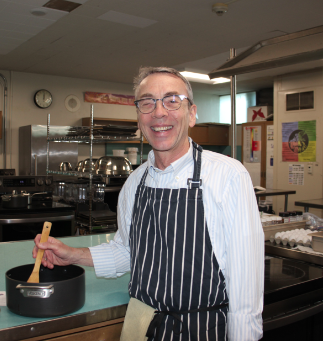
(192, 115)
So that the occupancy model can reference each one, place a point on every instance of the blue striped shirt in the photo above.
(234, 227)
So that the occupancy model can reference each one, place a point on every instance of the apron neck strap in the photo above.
(144, 177)
(196, 182)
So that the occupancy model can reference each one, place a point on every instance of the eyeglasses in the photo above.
(148, 105)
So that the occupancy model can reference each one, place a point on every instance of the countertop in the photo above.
(105, 298)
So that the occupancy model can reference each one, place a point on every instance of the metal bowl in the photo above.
(79, 166)
(65, 166)
(86, 165)
(113, 165)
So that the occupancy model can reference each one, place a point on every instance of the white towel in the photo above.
(137, 320)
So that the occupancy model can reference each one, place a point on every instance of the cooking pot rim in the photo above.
(43, 283)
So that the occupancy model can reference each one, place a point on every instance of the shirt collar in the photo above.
(175, 166)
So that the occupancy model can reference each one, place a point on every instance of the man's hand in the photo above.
(57, 253)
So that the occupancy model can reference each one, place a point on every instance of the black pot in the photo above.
(14, 200)
(60, 291)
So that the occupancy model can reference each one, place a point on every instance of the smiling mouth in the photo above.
(161, 128)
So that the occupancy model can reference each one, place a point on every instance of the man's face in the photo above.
(166, 131)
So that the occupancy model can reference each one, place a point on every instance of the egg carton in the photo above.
(271, 230)
(293, 238)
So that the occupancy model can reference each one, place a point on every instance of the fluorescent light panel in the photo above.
(200, 77)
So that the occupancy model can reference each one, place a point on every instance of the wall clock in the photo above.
(43, 98)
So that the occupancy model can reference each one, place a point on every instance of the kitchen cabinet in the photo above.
(210, 134)
(109, 330)
(257, 152)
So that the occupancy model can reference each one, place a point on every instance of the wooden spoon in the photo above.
(34, 277)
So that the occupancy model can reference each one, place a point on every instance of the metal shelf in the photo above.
(95, 139)
(90, 139)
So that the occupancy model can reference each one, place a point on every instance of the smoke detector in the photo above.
(220, 8)
(38, 12)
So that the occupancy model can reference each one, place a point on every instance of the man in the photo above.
(188, 227)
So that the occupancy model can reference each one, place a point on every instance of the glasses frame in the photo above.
(182, 97)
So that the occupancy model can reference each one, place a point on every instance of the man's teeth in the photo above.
(161, 128)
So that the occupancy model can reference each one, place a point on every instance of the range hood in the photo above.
(299, 48)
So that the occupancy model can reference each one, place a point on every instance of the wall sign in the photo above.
(252, 144)
(296, 174)
(299, 141)
(99, 97)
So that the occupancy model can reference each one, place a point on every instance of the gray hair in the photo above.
(149, 70)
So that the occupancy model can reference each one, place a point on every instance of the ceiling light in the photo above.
(202, 78)
(194, 75)
(220, 80)
(38, 12)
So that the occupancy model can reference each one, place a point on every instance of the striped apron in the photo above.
(173, 266)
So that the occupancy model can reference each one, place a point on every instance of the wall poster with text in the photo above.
(299, 141)
(252, 144)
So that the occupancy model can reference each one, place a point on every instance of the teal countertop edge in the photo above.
(102, 295)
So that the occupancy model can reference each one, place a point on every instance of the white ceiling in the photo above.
(110, 39)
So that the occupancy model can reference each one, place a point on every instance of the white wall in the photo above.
(208, 107)
(22, 111)
(313, 183)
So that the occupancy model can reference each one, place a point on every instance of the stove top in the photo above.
(286, 278)
(37, 207)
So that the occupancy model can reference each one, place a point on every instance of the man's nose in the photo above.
(159, 111)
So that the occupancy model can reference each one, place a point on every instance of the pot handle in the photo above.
(37, 291)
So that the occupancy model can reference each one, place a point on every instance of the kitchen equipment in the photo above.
(14, 200)
(26, 222)
(132, 155)
(30, 184)
(113, 165)
(33, 149)
(60, 291)
(20, 200)
(7, 171)
(30, 196)
(271, 230)
(86, 165)
(79, 166)
(119, 152)
(59, 189)
(65, 166)
(99, 192)
(317, 241)
(34, 277)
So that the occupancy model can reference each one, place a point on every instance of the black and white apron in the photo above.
(173, 266)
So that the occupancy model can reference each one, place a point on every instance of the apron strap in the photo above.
(159, 316)
(144, 176)
(196, 182)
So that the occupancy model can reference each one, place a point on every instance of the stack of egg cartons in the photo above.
(293, 237)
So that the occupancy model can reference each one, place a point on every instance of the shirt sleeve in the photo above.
(113, 259)
(244, 259)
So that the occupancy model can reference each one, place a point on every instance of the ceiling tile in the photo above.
(5, 25)
(126, 19)
(15, 35)
(36, 3)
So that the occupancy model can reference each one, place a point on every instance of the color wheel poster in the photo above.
(299, 141)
